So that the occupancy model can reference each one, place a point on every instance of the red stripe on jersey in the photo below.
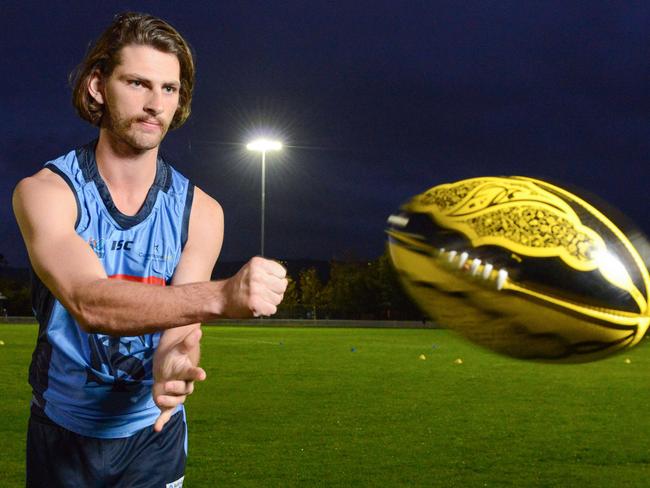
(150, 280)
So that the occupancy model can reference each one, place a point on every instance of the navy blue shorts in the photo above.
(57, 457)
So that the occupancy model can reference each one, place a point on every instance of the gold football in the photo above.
(523, 267)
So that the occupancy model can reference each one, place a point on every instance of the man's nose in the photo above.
(154, 103)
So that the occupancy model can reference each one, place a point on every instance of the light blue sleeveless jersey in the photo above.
(93, 384)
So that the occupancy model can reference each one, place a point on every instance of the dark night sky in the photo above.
(378, 101)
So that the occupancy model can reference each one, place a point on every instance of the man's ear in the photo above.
(96, 87)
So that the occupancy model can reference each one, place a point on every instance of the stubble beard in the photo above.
(126, 131)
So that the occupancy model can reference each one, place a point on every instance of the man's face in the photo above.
(141, 97)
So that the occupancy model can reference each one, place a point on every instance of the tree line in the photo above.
(361, 290)
(368, 290)
(16, 289)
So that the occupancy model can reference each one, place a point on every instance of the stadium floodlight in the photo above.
(263, 146)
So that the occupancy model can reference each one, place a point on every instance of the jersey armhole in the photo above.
(186, 215)
(56, 170)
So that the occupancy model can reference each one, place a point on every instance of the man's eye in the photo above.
(135, 82)
(170, 89)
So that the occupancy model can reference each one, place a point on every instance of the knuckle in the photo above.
(252, 281)
(254, 289)
(256, 303)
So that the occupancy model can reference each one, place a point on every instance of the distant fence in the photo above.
(378, 324)
(17, 320)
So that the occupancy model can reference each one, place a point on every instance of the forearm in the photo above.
(127, 309)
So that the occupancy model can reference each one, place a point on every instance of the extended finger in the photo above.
(169, 401)
(162, 419)
(189, 373)
(179, 387)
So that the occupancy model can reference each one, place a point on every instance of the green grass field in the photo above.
(299, 407)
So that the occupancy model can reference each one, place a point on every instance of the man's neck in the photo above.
(128, 174)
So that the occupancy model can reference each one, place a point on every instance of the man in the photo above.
(116, 356)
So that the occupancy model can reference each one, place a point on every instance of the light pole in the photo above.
(263, 146)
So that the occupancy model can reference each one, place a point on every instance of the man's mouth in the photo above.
(150, 124)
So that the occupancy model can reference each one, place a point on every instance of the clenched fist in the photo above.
(256, 290)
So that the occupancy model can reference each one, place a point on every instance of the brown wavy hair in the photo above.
(131, 28)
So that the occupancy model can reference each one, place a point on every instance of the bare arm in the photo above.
(46, 211)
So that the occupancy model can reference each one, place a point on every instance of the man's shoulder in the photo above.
(42, 184)
(50, 180)
(51, 175)
(206, 205)
(41, 198)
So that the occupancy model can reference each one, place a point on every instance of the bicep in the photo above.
(205, 236)
(46, 210)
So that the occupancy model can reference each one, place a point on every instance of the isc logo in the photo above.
(119, 245)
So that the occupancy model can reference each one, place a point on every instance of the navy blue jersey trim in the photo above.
(83, 154)
(55, 169)
(162, 181)
(185, 227)
(167, 170)
(42, 304)
(166, 185)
